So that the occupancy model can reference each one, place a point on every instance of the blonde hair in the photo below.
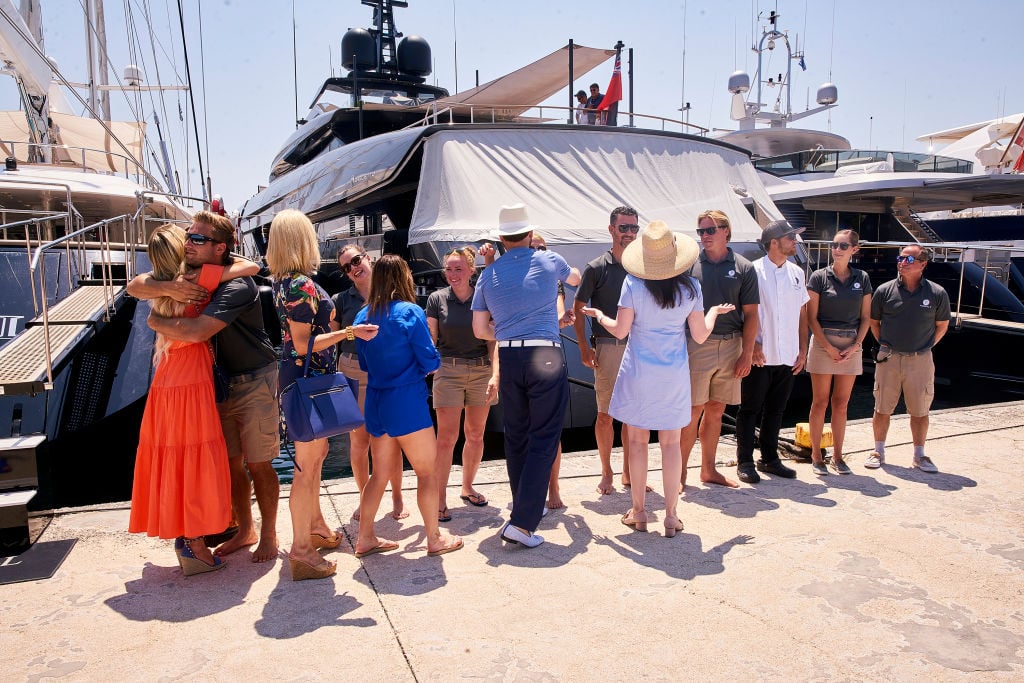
(166, 254)
(718, 218)
(391, 281)
(291, 245)
(466, 253)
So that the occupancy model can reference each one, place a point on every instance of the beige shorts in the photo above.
(609, 358)
(251, 418)
(348, 365)
(820, 363)
(914, 376)
(457, 386)
(712, 370)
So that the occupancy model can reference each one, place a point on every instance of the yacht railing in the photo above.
(819, 251)
(132, 169)
(832, 160)
(506, 113)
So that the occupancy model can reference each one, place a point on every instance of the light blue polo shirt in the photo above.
(519, 290)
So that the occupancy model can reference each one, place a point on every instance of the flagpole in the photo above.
(629, 70)
(571, 84)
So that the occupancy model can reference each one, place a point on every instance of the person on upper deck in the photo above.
(593, 102)
(909, 316)
(839, 315)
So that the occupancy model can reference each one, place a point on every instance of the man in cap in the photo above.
(600, 287)
(779, 353)
(718, 366)
(909, 315)
(514, 303)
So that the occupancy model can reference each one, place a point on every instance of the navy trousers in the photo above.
(764, 395)
(534, 395)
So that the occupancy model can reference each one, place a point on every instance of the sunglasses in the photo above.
(908, 259)
(540, 248)
(356, 260)
(625, 228)
(841, 245)
(707, 231)
(200, 240)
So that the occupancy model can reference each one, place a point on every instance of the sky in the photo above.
(903, 68)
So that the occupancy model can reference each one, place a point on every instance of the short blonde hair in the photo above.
(717, 217)
(291, 245)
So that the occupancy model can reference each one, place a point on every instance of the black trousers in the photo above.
(764, 395)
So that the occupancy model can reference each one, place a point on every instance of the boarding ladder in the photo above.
(913, 224)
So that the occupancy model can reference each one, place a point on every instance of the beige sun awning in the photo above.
(102, 153)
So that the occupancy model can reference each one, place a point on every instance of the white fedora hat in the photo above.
(512, 220)
(659, 253)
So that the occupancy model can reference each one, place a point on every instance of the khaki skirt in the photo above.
(819, 362)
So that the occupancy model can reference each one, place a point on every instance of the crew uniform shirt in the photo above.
(455, 338)
(517, 290)
(730, 281)
(243, 346)
(908, 318)
(783, 293)
(839, 304)
(346, 305)
(601, 286)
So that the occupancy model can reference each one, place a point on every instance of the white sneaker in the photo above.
(925, 464)
(874, 461)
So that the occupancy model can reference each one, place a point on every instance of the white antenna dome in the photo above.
(828, 93)
(739, 82)
(133, 76)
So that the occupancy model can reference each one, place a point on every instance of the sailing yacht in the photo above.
(76, 208)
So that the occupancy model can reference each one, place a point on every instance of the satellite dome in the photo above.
(828, 93)
(739, 82)
(358, 50)
(414, 56)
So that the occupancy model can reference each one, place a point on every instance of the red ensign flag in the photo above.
(613, 93)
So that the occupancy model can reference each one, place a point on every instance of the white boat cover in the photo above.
(102, 153)
(514, 93)
(571, 179)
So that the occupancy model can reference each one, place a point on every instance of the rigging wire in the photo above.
(202, 67)
(156, 62)
(191, 96)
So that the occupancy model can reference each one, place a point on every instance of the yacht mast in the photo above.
(102, 65)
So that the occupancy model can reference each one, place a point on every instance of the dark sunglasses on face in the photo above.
(200, 240)
(841, 245)
(625, 228)
(707, 231)
(908, 259)
(356, 260)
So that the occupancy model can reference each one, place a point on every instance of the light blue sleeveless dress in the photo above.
(652, 389)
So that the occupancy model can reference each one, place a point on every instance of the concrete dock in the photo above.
(888, 574)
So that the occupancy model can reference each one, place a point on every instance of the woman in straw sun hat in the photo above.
(652, 389)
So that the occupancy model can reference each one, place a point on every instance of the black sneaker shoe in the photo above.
(776, 467)
(747, 474)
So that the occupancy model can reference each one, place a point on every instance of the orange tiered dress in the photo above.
(182, 485)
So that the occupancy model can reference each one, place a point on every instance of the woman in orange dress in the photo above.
(182, 486)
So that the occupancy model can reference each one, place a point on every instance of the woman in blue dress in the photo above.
(652, 390)
(397, 363)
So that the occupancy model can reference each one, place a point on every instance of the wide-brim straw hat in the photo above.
(659, 253)
(513, 220)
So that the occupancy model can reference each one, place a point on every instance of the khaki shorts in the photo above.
(820, 363)
(348, 365)
(251, 417)
(914, 376)
(457, 386)
(712, 370)
(609, 358)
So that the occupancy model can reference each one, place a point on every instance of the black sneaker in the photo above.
(746, 473)
(776, 467)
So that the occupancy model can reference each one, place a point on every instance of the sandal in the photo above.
(476, 499)
(444, 515)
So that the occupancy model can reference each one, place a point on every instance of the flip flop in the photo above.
(476, 499)
(444, 515)
(382, 547)
(447, 549)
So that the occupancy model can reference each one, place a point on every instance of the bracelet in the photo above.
(350, 333)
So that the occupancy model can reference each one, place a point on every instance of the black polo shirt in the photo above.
(839, 303)
(908, 318)
(455, 338)
(600, 287)
(730, 281)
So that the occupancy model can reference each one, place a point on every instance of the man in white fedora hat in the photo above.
(514, 304)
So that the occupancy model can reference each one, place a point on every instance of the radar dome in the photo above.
(414, 56)
(358, 50)
(739, 82)
(132, 75)
(828, 94)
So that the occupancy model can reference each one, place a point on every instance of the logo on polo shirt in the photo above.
(856, 285)
(926, 303)
(731, 274)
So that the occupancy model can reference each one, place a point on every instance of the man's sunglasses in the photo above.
(841, 245)
(626, 228)
(908, 259)
(356, 260)
(200, 240)
(707, 231)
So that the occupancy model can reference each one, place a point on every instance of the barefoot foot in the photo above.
(554, 502)
(604, 487)
(717, 477)
(266, 550)
(235, 543)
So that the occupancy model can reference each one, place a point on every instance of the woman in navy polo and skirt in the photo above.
(398, 418)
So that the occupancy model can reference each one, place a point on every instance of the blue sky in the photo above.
(903, 68)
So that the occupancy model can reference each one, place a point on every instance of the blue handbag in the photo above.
(320, 406)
